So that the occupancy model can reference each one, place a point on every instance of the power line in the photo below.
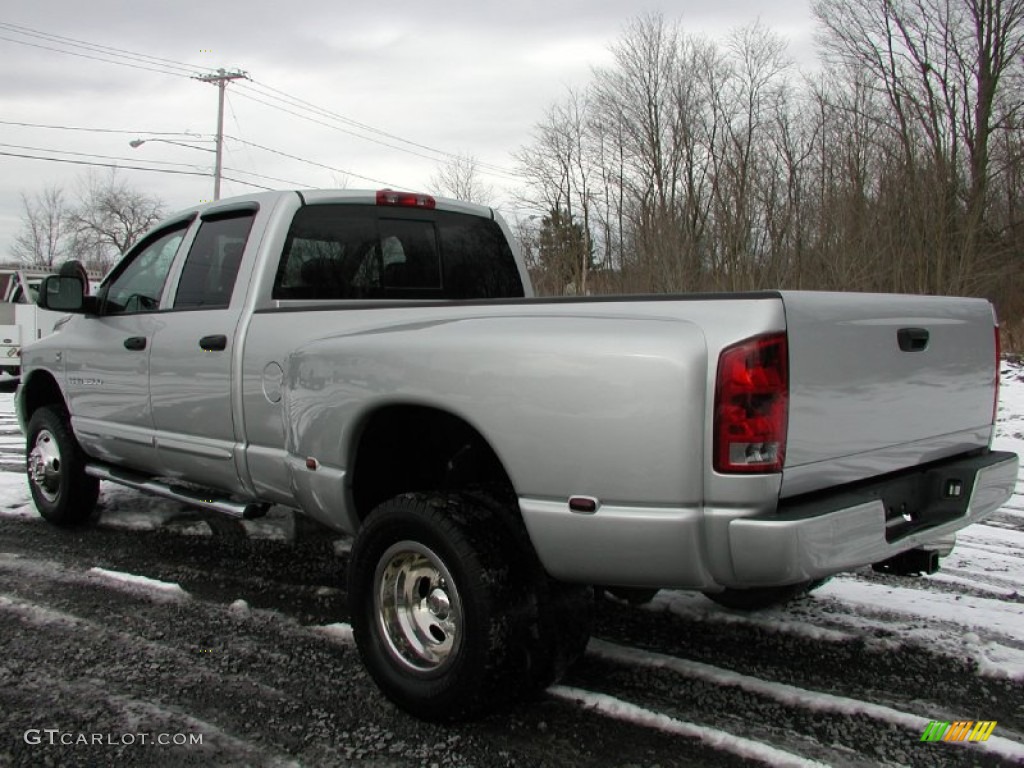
(97, 48)
(335, 127)
(313, 162)
(348, 132)
(300, 184)
(295, 101)
(95, 58)
(90, 154)
(238, 127)
(298, 103)
(128, 168)
(103, 165)
(129, 132)
(100, 130)
(179, 69)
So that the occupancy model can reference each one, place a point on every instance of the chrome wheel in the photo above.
(418, 609)
(44, 465)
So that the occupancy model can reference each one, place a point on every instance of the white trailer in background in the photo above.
(21, 321)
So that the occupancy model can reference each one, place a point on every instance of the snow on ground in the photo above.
(340, 632)
(14, 497)
(127, 509)
(727, 742)
(785, 694)
(973, 608)
(135, 583)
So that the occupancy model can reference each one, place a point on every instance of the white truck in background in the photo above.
(21, 320)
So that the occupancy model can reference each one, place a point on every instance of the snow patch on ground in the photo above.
(340, 633)
(342, 546)
(38, 614)
(723, 740)
(14, 495)
(783, 693)
(962, 581)
(696, 607)
(134, 582)
(990, 632)
(993, 617)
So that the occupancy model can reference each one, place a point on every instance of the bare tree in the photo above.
(46, 237)
(699, 165)
(110, 217)
(746, 171)
(460, 178)
(950, 72)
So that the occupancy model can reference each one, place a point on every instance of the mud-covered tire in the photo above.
(448, 612)
(62, 492)
(759, 598)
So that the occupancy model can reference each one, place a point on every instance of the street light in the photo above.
(136, 143)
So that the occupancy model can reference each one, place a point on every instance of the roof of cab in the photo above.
(323, 196)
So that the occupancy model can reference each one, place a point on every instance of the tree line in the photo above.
(695, 165)
(93, 226)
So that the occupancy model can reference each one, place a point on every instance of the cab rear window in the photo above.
(344, 251)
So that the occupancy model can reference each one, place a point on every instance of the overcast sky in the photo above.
(462, 77)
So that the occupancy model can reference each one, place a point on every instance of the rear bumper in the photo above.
(870, 523)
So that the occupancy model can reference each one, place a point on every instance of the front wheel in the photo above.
(447, 608)
(62, 492)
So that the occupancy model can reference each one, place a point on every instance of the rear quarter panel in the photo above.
(605, 407)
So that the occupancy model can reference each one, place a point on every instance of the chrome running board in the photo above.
(194, 497)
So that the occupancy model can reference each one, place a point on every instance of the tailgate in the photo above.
(882, 382)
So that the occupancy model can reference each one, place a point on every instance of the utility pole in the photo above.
(221, 79)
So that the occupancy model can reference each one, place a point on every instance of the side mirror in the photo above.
(62, 293)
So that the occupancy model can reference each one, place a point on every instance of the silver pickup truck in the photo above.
(376, 361)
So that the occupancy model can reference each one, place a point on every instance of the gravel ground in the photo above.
(249, 652)
(264, 684)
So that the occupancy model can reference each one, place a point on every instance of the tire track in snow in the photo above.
(728, 742)
(832, 738)
(823, 644)
(1008, 746)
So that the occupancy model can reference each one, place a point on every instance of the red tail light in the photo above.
(405, 199)
(999, 362)
(752, 405)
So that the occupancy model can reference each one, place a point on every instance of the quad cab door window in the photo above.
(140, 280)
(208, 278)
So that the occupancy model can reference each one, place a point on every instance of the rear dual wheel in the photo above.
(452, 613)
